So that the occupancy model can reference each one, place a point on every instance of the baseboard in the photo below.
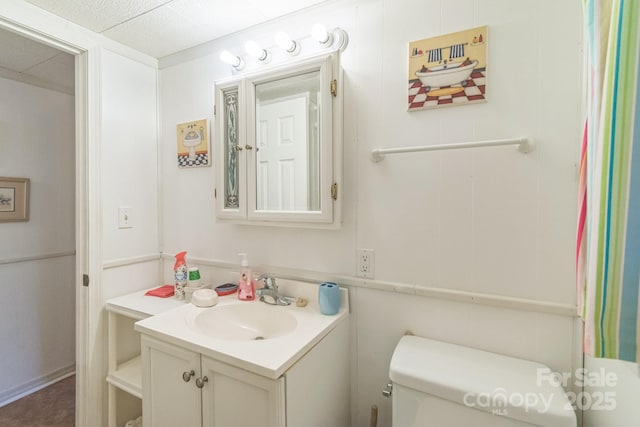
(36, 384)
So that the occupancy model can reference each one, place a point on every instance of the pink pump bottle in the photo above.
(246, 290)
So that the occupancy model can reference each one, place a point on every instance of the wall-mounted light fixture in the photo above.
(333, 39)
(286, 43)
(231, 59)
(337, 38)
(255, 50)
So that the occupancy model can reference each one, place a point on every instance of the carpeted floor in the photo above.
(51, 406)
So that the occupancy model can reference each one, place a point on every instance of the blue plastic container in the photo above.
(329, 298)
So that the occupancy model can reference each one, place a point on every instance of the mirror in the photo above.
(278, 145)
(287, 143)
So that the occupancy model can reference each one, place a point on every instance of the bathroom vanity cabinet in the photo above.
(186, 387)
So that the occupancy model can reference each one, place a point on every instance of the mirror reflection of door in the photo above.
(282, 155)
(287, 142)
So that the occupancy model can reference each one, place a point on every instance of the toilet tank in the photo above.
(440, 384)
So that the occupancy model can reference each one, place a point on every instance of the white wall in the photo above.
(488, 221)
(129, 165)
(37, 310)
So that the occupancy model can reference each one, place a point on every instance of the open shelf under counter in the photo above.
(128, 377)
(122, 341)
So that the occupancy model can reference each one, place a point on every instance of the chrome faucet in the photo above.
(270, 290)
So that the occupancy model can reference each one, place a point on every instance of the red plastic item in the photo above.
(162, 292)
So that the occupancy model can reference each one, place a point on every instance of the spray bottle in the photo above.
(180, 275)
(246, 290)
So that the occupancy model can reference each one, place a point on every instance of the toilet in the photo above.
(437, 384)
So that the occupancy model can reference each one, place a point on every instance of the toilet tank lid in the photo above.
(502, 385)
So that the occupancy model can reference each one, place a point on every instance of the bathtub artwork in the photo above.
(193, 144)
(448, 70)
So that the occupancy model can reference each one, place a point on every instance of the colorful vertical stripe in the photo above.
(608, 247)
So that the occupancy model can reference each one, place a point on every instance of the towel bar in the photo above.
(525, 145)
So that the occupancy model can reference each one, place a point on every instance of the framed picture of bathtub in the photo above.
(193, 144)
(448, 70)
(14, 199)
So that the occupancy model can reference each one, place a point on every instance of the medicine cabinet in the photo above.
(278, 145)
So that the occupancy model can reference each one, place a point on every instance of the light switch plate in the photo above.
(124, 217)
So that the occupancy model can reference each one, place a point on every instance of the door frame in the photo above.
(89, 384)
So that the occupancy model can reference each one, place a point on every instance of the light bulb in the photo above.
(231, 59)
(320, 34)
(255, 50)
(284, 41)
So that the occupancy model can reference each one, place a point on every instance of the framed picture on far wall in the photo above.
(14, 199)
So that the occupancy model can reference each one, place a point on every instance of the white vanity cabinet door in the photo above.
(234, 397)
(169, 400)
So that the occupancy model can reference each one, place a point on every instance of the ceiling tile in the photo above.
(274, 8)
(18, 53)
(98, 15)
(157, 33)
(217, 17)
(58, 70)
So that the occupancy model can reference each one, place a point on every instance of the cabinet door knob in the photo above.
(186, 376)
(248, 147)
(200, 382)
(238, 147)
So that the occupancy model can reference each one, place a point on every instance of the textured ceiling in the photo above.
(162, 27)
(155, 27)
(25, 60)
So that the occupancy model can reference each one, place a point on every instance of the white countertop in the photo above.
(137, 305)
(270, 357)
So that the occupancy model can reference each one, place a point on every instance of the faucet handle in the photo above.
(268, 282)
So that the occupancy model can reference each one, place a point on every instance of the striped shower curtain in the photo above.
(608, 246)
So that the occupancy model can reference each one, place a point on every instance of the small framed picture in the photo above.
(14, 199)
(448, 70)
(193, 144)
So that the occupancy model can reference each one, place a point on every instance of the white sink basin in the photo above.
(245, 322)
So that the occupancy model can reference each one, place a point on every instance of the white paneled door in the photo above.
(282, 155)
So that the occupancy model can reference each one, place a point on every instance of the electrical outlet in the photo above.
(366, 263)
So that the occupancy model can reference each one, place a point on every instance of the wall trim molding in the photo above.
(37, 257)
(36, 384)
(466, 297)
(121, 262)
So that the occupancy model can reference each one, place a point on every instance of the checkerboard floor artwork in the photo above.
(473, 91)
(202, 159)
